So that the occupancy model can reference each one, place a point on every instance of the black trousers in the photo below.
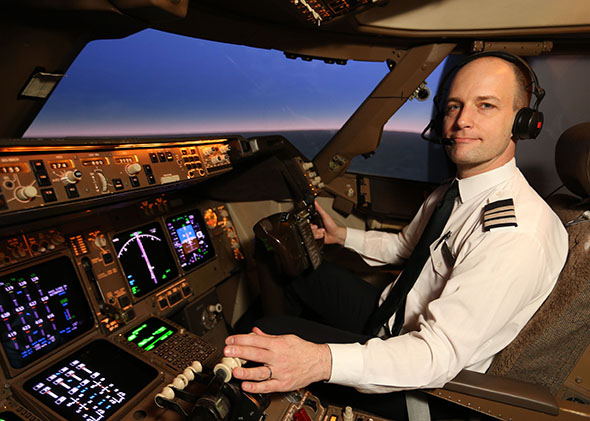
(332, 305)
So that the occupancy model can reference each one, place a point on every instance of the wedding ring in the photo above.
(269, 373)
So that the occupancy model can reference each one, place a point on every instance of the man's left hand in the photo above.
(292, 362)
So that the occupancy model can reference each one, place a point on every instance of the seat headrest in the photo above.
(572, 159)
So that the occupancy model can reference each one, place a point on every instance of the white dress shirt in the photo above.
(468, 304)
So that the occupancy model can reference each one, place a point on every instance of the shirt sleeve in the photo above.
(479, 311)
(380, 248)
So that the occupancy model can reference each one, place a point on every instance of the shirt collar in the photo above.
(471, 186)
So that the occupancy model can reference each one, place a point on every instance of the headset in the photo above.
(528, 120)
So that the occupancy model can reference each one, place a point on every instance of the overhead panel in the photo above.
(323, 11)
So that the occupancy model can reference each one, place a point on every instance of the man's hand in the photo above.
(293, 362)
(331, 233)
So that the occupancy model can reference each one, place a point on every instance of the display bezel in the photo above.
(165, 239)
(9, 415)
(138, 394)
(205, 229)
(92, 325)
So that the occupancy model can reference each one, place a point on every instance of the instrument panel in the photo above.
(112, 277)
(88, 292)
(111, 256)
(34, 177)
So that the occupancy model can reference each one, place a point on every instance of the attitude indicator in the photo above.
(145, 258)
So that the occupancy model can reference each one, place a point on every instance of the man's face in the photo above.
(479, 116)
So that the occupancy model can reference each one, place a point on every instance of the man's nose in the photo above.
(464, 118)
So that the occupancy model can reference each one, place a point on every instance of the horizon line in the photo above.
(184, 134)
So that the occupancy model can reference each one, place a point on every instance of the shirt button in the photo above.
(438, 265)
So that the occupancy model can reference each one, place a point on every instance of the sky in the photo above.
(155, 83)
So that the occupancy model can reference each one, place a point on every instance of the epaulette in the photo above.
(499, 214)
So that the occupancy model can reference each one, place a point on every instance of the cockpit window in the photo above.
(402, 153)
(154, 83)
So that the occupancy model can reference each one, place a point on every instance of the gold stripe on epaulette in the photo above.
(499, 214)
(502, 209)
(492, 215)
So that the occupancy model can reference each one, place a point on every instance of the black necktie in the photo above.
(396, 300)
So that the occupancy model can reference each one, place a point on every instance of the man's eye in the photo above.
(452, 107)
(486, 105)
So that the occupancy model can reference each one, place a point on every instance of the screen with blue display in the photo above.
(190, 239)
(42, 308)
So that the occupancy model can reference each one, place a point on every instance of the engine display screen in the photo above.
(145, 258)
(92, 383)
(190, 239)
(150, 334)
(42, 308)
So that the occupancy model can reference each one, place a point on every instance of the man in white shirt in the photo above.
(497, 259)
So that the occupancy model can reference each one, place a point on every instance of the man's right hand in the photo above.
(332, 233)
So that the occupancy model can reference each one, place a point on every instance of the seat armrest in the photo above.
(504, 390)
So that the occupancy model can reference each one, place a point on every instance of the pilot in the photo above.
(490, 266)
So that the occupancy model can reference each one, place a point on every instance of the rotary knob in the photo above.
(347, 414)
(133, 169)
(217, 159)
(19, 252)
(102, 181)
(26, 193)
(208, 150)
(72, 177)
(214, 308)
(100, 241)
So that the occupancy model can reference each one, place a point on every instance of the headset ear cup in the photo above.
(527, 124)
(536, 124)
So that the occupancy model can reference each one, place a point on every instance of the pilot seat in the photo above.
(544, 374)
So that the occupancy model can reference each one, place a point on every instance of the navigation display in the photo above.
(150, 334)
(145, 258)
(92, 383)
(42, 308)
(190, 239)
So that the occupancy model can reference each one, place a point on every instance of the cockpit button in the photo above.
(72, 191)
(48, 195)
(118, 184)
